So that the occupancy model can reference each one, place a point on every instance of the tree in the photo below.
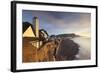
(43, 33)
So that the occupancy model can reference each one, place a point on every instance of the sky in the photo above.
(60, 22)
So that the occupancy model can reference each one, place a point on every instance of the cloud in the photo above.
(55, 22)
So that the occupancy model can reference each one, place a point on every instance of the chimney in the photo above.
(36, 26)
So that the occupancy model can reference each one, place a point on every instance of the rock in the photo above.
(67, 50)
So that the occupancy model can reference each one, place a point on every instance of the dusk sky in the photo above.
(60, 22)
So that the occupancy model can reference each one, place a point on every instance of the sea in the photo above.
(84, 47)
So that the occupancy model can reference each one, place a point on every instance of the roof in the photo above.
(26, 25)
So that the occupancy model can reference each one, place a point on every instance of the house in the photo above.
(33, 39)
(32, 32)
